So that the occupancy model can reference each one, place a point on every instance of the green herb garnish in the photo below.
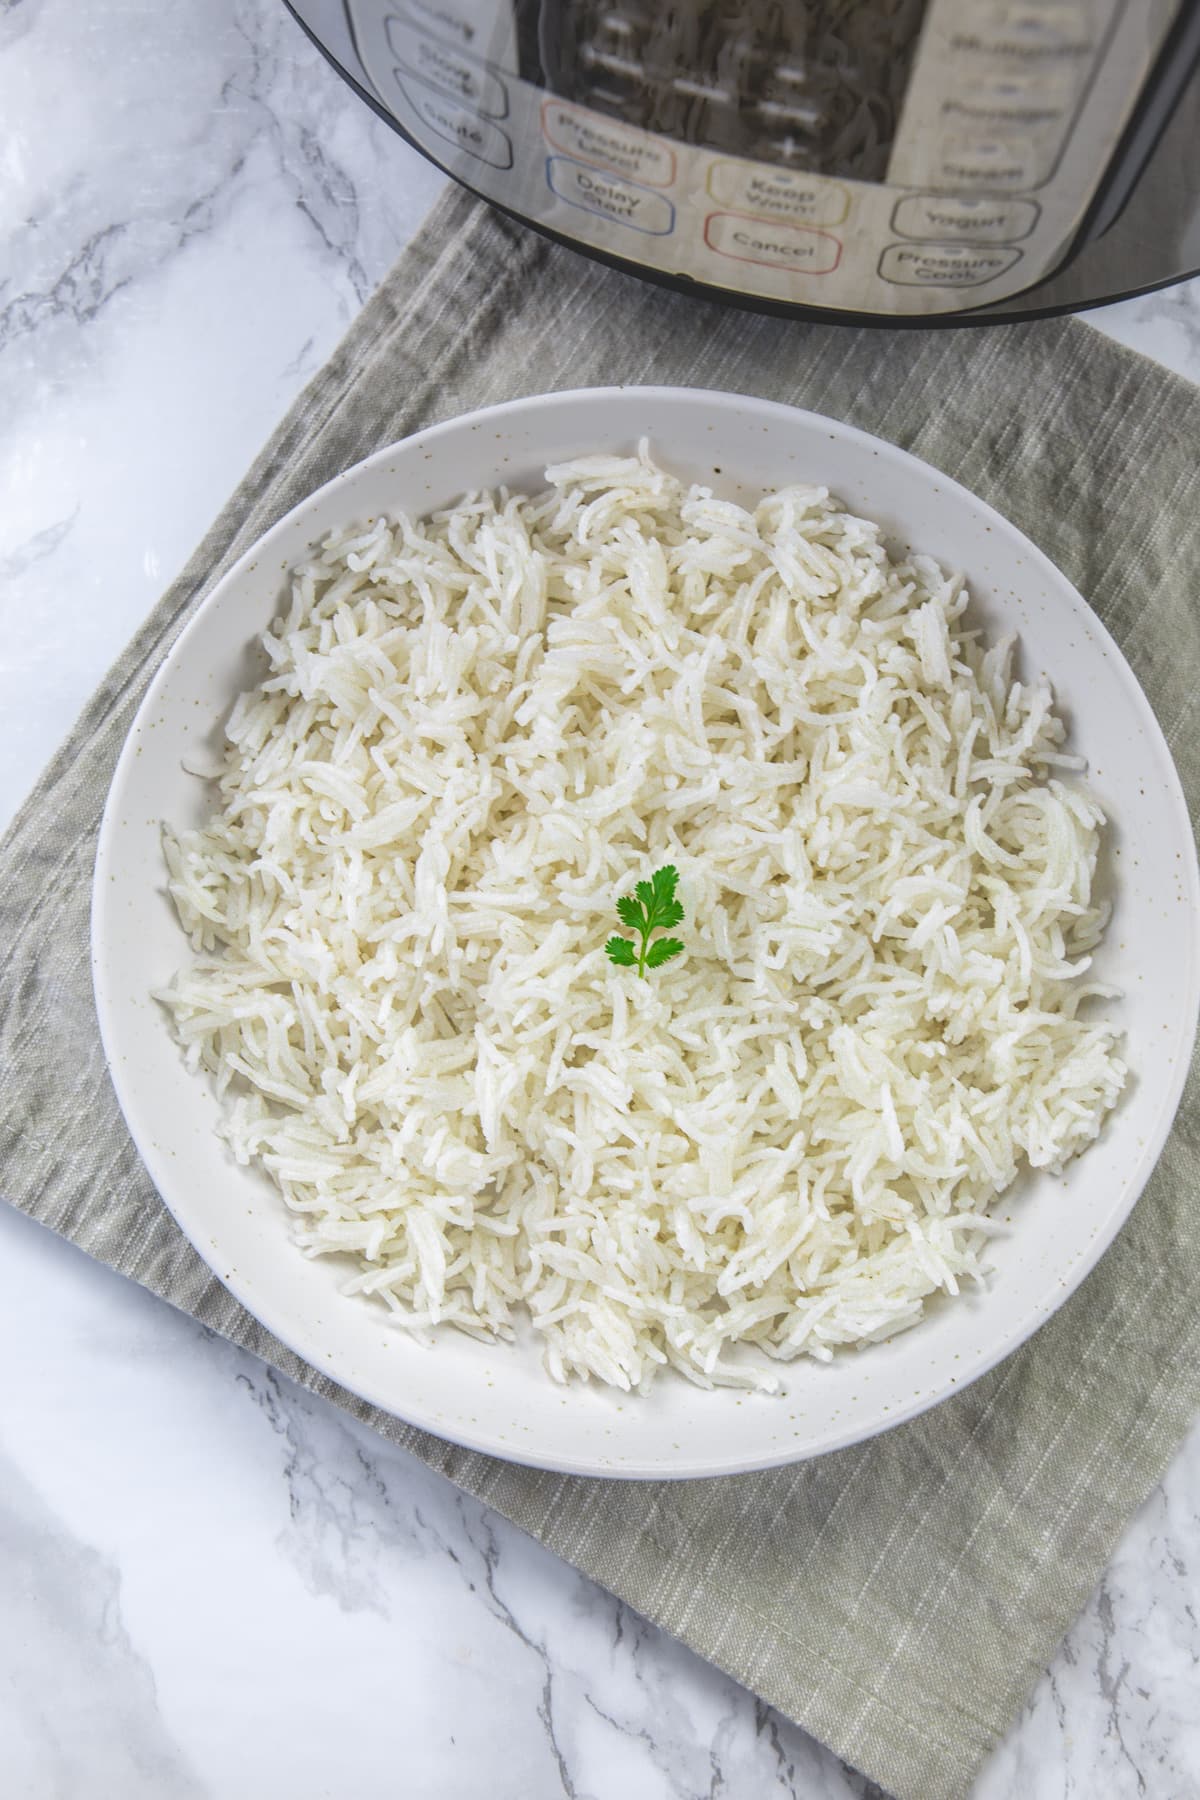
(651, 907)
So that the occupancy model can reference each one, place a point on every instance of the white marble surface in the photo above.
(192, 209)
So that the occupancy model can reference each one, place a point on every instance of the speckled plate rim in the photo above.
(534, 429)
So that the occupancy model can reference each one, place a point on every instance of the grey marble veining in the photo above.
(77, 1689)
(211, 1584)
(194, 210)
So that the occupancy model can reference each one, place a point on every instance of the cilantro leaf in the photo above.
(629, 911)
(651, 907)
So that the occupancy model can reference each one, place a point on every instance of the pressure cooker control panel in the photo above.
(1009, 113)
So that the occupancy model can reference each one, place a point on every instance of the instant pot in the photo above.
(883, 161)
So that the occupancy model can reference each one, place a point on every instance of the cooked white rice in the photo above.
(477, 731)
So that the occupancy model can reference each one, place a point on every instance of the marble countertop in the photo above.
(193, 209)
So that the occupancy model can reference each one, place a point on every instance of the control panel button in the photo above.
(1027, 37)
(484, 28)
(992, 163)
(448, 68)
(1052, 88)
(611, 197)
(805, 199)
(772, 242)
(477, 137)
(965, 216)
(446, 19)
(1027, 28)
(1024, 113)
(621, 149)
(945, 265)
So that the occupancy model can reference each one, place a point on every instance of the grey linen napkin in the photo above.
(897, 1599)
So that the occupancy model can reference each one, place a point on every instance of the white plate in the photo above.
(497, 1398)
